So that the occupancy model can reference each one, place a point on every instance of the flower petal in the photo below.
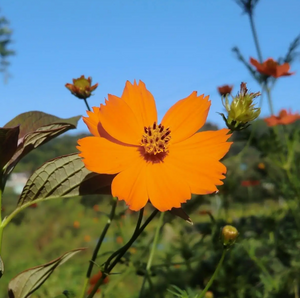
(92, 121)
(105, 157)
(255, 63)
(196, 160)
(166, 189)
(119, 121)
(141, 102)
(187, 116)
(131, 185)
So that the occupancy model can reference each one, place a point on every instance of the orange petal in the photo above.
(119, 121)
(254, 62)
(131, 185)
(204, 145)
(196, 160)
(141, 102)
(282, 70)
(166, 188)
(187, 116)
(105, 157)
(92, 121)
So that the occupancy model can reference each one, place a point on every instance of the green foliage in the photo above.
(5, 40)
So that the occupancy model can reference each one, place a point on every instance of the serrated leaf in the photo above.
(37, 128)
(31, 121)
(28, 281)
(65, 176)
(8, 144)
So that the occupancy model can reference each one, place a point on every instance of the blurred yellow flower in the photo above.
(241, 110)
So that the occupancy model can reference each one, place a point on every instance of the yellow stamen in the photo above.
(156, 139)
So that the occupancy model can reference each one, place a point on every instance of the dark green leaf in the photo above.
(65, 176)
(37, 128)
(31, 121)
(27, 282)
(8, 144)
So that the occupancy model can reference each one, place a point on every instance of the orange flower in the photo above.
(96, 208)
(76, 224)
(224, 90)
(87, 238)
(271, 68)
(285, 117)
(119, 240)
(94, 279)
(82, 87)
(162, 163)
(247, 183)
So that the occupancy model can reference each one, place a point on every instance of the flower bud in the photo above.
(229, 236)
(82, 87)
(241, 110)
(209, 294)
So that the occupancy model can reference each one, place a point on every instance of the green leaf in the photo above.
(31, 121)
(37, 128)
(8, 144)
(28, 281)
(65, 176)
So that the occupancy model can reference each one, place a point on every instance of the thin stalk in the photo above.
(98, 246)
(121, 254)
(119, 251)
(255, 37)
(202, 294)
(152, 252)
(268, 91)
(87, 105)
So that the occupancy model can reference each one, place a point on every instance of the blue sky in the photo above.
(174, 46)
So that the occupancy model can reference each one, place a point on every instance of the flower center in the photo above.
(156, 139)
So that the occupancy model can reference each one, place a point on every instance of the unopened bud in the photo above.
(241, 110)
(82, 87)
(209, 294)
(229, 236)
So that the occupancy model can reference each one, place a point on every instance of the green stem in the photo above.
(254, 33)
(125, 247)
(98, 246)
(154, 245)
(214, 275)
(87, 105)
(268, 91)
(121, 254)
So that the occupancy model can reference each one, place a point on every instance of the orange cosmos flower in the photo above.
(285, 117)
(271, 68)
(94, 279)
(224, 90)
(247, 183)
(163, 163)
(82, 87)
(76, 224)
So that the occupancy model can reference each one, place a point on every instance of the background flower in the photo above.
(271, 68)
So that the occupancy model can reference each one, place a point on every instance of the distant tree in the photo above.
(5, 40)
